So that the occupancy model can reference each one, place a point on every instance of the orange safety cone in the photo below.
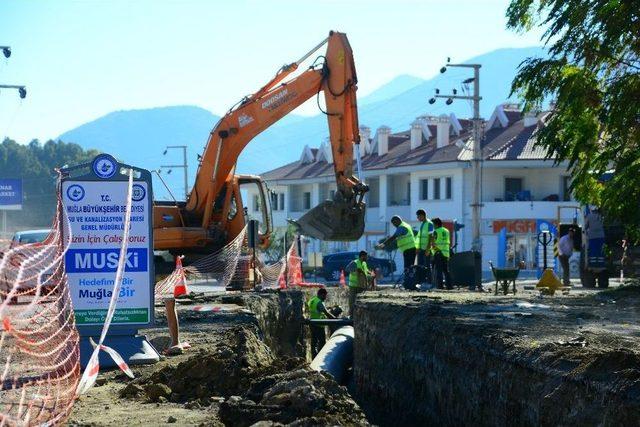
(343, 282)
(181, 285)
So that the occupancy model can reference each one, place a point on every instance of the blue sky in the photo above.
(83, 59)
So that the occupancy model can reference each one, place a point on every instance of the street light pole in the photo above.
(22, 90)
(184, 166)
(476, 162)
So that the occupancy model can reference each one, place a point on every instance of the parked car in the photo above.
(332, 264)
(34, 238)
(29, 236)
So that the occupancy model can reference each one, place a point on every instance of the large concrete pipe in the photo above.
(336, 357)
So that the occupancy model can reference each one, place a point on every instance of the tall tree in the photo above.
(593, 73)
(34, 163)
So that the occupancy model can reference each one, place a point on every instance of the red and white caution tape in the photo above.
(90, 373)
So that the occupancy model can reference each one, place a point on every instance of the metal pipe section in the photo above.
(336, 357)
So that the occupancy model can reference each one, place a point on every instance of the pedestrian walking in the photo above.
(423, 247)
(441, 248)
(406, 243)
(565, 249)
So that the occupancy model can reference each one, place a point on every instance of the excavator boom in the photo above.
(335, 76)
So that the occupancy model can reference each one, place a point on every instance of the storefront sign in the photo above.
(518, 226)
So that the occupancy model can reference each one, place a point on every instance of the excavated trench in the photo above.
(445, 361)
(419, 359)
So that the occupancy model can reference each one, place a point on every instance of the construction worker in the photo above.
(565, 247)
(317, 310)
(406, 243)
(423, 246)
(441, 246)
(359, 278)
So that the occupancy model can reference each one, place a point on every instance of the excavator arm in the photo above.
(338, 219)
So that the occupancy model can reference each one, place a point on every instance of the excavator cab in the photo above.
(260, 207)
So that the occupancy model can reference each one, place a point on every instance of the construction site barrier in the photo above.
(233, 263)
(39, 351)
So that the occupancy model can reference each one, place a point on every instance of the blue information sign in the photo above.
(10, 194)
(94, 199)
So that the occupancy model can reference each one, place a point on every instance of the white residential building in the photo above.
(428, 167)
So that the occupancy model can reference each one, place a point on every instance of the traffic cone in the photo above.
(181, 285)
(343, 282)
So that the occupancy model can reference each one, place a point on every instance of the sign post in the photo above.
(94, 198)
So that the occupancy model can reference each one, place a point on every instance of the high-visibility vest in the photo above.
(422, 238)
(353, 276)
(442, 240)
(314, 313)
(407, 240)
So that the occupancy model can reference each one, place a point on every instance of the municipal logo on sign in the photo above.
(104, 166)
(138, 192)
(75, 193)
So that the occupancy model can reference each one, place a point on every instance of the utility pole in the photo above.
(184, 166)
(476, 162)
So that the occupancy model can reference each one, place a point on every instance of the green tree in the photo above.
(35, 164)
(593, 73)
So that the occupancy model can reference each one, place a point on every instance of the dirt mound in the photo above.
(252, 385)
(300, 397)
(224, 370)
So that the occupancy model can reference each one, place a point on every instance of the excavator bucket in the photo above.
(332, 220)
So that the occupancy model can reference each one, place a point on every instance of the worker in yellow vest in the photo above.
(406, 243)
(441, 249)
(359, 278)
(317, 310)
(423, 247)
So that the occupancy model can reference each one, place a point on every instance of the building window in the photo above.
(447, 188)
(256, 203)
(566, 188)
(274, 201)
(436, 189)
(306, 199)
(512, 186)
(409, 192)
(424, 189)
(281, 197)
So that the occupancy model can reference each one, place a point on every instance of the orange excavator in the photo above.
(214, 213)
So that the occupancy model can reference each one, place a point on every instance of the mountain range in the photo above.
(139, 137)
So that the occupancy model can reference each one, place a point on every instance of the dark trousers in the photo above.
(318, 339)
(441, 268)
(566, 270)
(409, 259)
(424, 260)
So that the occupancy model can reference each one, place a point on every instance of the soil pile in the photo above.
(242, 376)
(301, 397)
